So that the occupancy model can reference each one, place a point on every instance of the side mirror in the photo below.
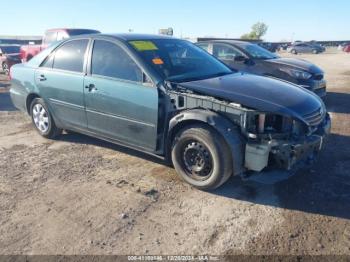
(241, 59)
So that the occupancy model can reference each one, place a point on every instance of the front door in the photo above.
(119, 105)
(61, 83)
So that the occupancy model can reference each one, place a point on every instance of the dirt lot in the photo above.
(78, 195)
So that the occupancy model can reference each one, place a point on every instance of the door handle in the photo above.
(41, 78)
(91, 87)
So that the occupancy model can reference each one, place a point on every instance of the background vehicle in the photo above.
(251, 58)
(305, 48)
(347, 48)
(51, 36)
(169, 98)
(9, 55)
(272, 47)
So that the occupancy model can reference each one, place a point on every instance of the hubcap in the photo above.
(197, 160)
(41, 118)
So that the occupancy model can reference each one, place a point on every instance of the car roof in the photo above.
(131, 36)
(65, 29)
(125, 37)
(232, 42)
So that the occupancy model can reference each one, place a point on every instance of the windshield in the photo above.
(257, 52)
(179, 60)
(10, 49)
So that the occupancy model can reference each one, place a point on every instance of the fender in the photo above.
(222, 125)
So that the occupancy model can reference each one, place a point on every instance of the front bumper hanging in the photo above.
(286, 154)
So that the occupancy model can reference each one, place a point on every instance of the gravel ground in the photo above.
(79, 195)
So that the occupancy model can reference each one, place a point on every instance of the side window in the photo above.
(70, 56)
(225, 52)
(110, 60)
(204, 46)
(48, 63)
(50, 37)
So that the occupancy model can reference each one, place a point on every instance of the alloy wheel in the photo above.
(41, 118)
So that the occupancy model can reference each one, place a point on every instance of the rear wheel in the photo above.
(42, 119)
(294, 52)
(201, 157)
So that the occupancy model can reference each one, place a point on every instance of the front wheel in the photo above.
(201, 157)
(314, 52)
(42, 119)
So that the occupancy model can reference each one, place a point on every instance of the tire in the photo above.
(294, 52)
(314, 52)
(42, 119)
(5, 68)
(201, 157)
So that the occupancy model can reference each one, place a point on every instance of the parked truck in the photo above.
(27, 52)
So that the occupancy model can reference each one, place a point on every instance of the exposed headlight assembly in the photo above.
(271, 123)
(298, 74)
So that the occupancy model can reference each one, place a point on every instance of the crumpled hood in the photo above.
(260, 93)
(296, 63)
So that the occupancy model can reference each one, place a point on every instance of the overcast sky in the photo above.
(287, 20)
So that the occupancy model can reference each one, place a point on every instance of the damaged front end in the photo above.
(270, 140)
(284, 142)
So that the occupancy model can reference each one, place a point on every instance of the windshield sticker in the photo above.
(157, 61)
(144, 45)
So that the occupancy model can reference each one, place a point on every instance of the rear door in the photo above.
(60, 80)
(120, 104)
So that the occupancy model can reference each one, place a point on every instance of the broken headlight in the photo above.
(269, 124)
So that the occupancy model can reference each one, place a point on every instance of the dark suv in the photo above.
(251, 58)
